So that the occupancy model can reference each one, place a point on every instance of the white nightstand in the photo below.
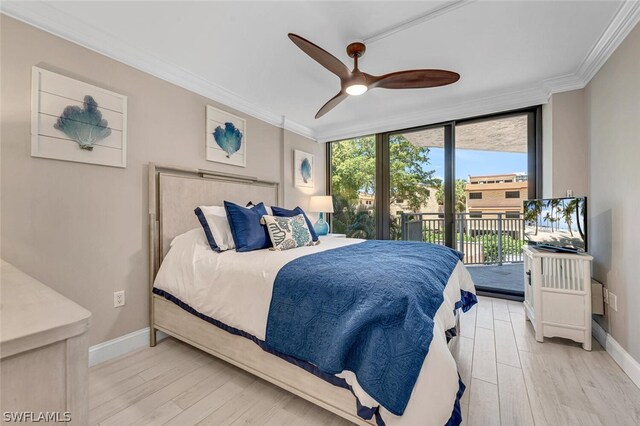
(333, 236)
(557, 294)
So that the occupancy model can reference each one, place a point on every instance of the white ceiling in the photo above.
(509, 53)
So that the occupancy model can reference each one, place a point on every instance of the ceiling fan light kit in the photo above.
(356, 89)
(356, 82)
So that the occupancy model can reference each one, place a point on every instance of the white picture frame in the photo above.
(303, 169)
(221, 138)
(58, 106)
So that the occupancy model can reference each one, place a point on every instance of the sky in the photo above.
(472, 162)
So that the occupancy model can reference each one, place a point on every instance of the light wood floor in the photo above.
(511, 380)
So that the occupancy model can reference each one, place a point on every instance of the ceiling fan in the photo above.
(356, 82)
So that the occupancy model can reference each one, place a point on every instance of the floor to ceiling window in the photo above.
(459, 183)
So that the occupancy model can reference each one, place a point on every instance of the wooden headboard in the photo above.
(175, 192)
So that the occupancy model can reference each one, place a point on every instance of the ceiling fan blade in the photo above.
(413, 79)
(333, 102)
(321, 56)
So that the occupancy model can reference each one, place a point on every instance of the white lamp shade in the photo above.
(321, 204)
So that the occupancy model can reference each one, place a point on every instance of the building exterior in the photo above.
(497, 193)
(484, 194)
(367, 202)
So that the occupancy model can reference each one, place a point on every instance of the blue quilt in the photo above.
(367, 308)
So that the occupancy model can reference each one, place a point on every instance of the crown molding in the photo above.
(563, 83)
(48, 18)
(626, 18)
(295, 127)
(621, 25)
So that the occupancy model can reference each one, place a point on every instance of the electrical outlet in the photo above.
(613, 301)
(569, 192)
(118, 298)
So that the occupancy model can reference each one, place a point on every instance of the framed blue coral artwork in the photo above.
(76, 121)
(303, 171)
(226, 138)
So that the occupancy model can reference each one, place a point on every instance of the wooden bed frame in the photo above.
(173, 194)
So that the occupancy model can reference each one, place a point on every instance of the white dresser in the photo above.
(557, 296)
(43, 351)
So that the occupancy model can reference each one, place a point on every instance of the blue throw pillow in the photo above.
(279, 211)
(248, 233)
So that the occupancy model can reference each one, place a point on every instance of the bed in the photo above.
(224, 304)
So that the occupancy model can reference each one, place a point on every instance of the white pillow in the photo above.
(194, 234)
(215, 219)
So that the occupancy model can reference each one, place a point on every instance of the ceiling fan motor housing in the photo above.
(356, 50)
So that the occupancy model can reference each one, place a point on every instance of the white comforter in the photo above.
(235, 288)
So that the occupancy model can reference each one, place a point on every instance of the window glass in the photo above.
(353, 187)
(416, 185)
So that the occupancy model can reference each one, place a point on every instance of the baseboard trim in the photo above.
(630, 366)
(122, 345)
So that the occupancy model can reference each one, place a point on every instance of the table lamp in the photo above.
(321, 204)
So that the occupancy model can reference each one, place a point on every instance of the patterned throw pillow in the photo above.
(288, 232)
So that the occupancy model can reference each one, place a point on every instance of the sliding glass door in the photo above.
(492, 181)
(416, 185)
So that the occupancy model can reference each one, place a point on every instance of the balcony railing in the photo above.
(484, 238)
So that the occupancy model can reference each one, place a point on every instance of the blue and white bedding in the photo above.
(375, 314)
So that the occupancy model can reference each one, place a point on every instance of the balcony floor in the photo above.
(508, 277)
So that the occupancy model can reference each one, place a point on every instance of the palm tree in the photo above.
(556, 211)
(533, 209)
(530, 215)
(567, 213)
(579, 215)
(537, 204)
(549, 218)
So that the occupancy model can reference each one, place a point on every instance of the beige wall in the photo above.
(613, 110)
(82, 229)
(565, 145)
(547, 149)
(570, 144)
(591, 145)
